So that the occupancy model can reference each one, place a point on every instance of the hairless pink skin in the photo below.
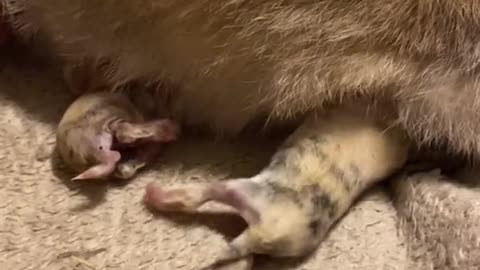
(159, 131)
(108, 158)
(188, 198)
(144, 137)
(235, 193)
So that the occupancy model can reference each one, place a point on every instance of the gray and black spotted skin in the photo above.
(309, 184)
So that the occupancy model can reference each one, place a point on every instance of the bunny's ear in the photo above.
(153, 131)
(96, 172)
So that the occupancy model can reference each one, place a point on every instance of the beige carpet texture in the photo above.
(47, 222)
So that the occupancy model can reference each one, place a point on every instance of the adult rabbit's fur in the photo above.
(239, 59)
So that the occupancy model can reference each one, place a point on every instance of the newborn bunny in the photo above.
(310, 183)
(98, 128)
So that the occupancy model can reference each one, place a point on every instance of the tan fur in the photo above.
(440, 219)
(239, 59)
(236, 60)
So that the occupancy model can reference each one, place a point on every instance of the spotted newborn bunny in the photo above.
(309, 184)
